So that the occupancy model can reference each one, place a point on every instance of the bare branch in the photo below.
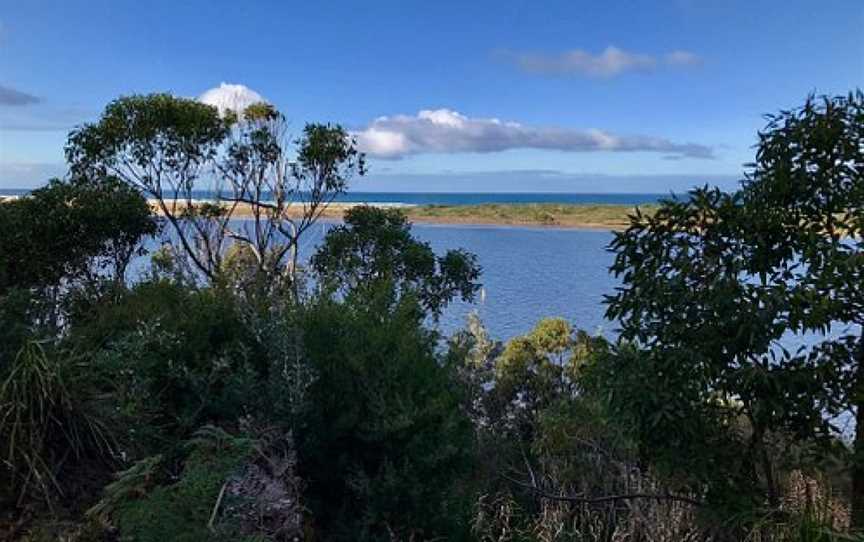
(580, 499)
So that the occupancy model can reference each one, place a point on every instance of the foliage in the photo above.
(714, 286)
(45, 425)
(176, 358)
(375, 245)
(168, 148)
(70, 230)
(18, 318)
(552, 455)
(183, 510)
(512, 385)
(386, 440)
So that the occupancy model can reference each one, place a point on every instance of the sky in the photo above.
(472, 96)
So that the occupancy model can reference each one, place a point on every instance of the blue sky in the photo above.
(629, 96)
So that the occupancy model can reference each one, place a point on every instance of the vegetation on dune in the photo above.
(228, 393)
(612, 217)
(566, 215)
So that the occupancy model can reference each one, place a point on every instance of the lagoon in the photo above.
(528, 273)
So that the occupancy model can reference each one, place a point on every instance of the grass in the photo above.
(44, 424)
(533, 214)
(562, 215)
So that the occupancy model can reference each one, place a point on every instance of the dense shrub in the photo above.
(95, 228)
(183, 510)
(386, 441)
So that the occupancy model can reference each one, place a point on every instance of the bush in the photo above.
(386, 441)
(176, 358)
(182, 511)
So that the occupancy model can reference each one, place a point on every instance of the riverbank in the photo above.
(556, 215)
(594, 216)
(575, 216)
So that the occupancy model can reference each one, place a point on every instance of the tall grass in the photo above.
(43, 425)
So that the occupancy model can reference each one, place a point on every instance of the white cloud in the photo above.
(609, 63)
(230, 97)
(447, 131)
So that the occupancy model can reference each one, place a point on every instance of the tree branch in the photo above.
(579, 499)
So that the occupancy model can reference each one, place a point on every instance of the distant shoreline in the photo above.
(594, 216)
(613, 217)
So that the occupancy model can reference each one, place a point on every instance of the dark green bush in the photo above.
(182, 511)
(386, 441)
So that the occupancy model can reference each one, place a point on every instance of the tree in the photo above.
(714, 286)
(172, 148)
(71, 230)
(385, 438)
(375, 247)
(807, 193)
(285, 198)
(163, 146)
(67, 237)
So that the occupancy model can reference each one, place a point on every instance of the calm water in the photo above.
(528, 274)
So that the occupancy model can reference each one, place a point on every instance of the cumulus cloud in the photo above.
(231, 97)
(609, 63)
(447, 131)
(10, 96)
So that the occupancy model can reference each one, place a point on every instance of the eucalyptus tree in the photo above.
(716, 287)
(374, 250)
(172, 149)
(284, 195)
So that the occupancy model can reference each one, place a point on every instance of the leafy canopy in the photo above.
(70, 230)
(375, 246)
(718, 286)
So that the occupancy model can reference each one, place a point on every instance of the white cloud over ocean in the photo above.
(448, 131)
(611, 62)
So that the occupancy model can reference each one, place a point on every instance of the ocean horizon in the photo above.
(462, 198)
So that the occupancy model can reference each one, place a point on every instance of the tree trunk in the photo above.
(858, 459)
